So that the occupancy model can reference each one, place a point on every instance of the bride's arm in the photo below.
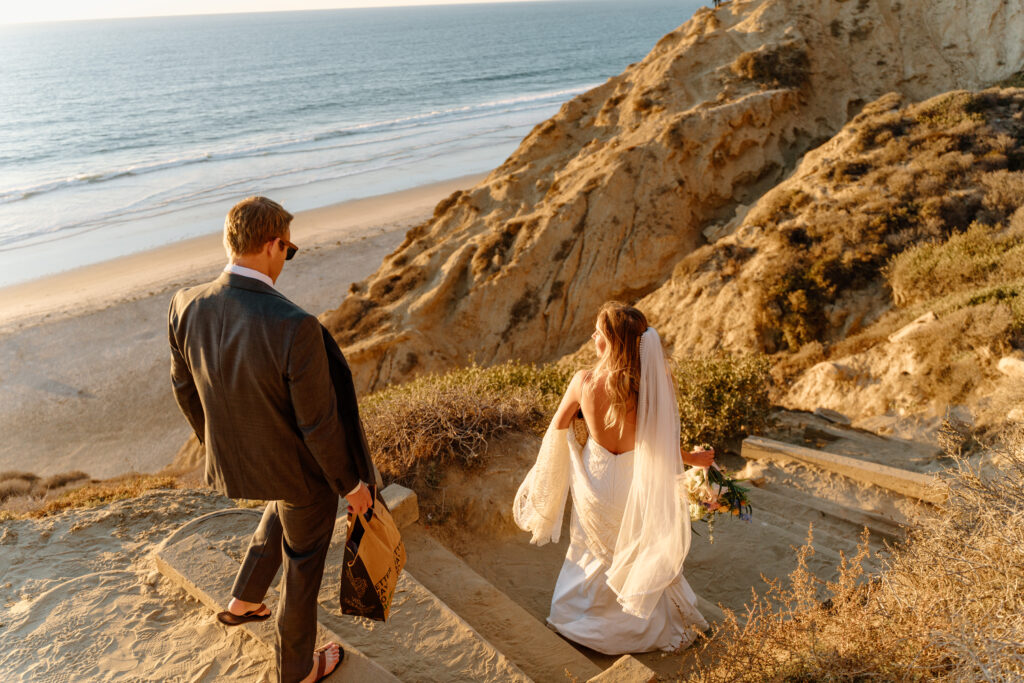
(699, 458)
(570, 402)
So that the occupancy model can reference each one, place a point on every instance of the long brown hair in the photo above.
(619, 367)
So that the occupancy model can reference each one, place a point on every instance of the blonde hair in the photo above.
(253, 222)
(619, 367)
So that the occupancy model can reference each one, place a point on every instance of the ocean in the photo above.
(118, 136)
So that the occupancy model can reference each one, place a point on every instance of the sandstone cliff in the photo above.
(605, 198)
(884, 273)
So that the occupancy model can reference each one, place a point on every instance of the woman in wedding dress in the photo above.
(621, 588)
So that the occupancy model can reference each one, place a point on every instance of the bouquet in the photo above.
(710, 492)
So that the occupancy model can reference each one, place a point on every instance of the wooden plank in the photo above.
(911, 484)
(626, 669)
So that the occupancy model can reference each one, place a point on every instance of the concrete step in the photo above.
(904, 482)
(424, 639)
(836, 519)
(208, 573)
(541, 653)
(825, 543)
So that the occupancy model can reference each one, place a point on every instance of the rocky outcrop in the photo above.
(604, 199)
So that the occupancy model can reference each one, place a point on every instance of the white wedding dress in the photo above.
(584, 608)
(621, 588)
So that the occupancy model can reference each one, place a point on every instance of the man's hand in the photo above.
(360, 501)
(700, 458)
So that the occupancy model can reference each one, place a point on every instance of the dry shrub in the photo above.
(57, 481)
(721, 398)
(10, 488)
(947, 605)
(949, 352)
(18, 474)
(776, 66)
(1014, 81)
(951, 109)
(415, 429)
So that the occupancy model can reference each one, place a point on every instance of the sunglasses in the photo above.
(291, 249)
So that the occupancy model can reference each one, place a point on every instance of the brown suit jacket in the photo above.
(252, 374)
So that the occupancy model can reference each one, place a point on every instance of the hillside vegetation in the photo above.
(604, 199)
(946, 607)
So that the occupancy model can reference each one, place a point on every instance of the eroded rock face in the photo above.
(806, 264)
(604, 199)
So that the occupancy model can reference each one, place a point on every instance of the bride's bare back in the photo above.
(587, 392)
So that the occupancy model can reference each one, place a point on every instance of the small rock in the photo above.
(1015, 415)
(1012, 367)
(913, 327)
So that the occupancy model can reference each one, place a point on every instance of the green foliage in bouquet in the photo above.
(722, 398)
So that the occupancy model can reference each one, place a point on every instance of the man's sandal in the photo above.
(231, 619)
(321, 661)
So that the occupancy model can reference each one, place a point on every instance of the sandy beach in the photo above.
(83, 357)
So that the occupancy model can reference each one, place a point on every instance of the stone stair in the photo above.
(207, 574)
(447, 622)
(535, 648)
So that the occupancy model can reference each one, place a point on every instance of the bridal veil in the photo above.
(654, 536)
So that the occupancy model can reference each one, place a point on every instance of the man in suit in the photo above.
(262, 386)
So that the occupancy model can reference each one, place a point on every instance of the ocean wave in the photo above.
(306, 142)
(175, 198)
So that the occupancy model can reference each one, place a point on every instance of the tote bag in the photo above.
(374, 557)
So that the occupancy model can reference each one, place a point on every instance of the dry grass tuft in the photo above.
(947, 606)
(16, 484)
(99, 493)
(416, 429)
(74, 490)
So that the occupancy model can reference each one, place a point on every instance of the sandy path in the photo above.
(83, 600)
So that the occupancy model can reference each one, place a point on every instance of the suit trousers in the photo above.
(297, 536)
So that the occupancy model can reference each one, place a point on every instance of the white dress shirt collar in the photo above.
(248, 272)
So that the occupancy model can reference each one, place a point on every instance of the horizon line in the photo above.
(398, 4)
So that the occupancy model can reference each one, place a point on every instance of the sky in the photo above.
(64, 10)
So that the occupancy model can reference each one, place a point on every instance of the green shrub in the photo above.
(980, 257)
(721, 398)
